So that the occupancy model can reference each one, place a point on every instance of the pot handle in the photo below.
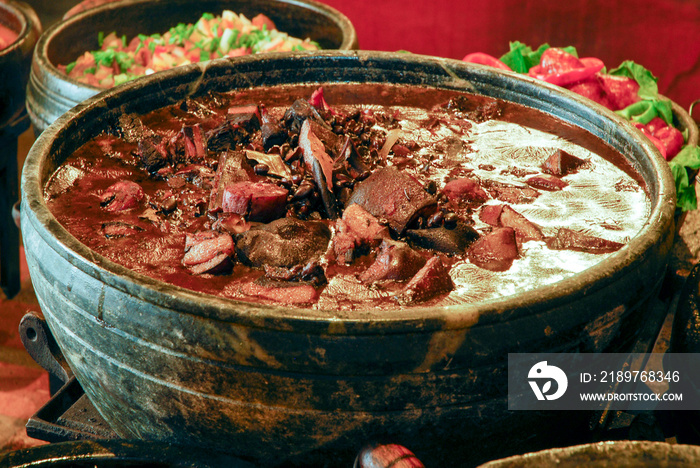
(42, 347)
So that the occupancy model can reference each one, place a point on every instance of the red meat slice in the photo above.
(568, 239)
(121, 196)
(465, 191)
(281, 292)
(202, 247)
(395, 261)
(357, 228)
(561, 163)
(231, 223)
(510, 193)
(118, 229)
(393, 195)
(495, 251)
(208, 252)
(505, 216)
(233, 167)
(430, 281)
(222, 263)
(546, 182)
(257, 201)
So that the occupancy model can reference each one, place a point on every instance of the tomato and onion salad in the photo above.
(7, 36)
(229, 35)
(629, 90)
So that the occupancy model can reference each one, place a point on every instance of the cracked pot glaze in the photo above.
(308, 387)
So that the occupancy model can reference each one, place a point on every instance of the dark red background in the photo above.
(662, 35)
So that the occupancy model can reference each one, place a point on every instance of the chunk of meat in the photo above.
(395, 261)
(511, 193)
(395, 196)
(357, 229)
(285, 242)
(195, 145)
(245, 117)
(231, 223)
(448, 241)
(119, 229)
(240, 123)
(365, 226)
(505, 216)
(465, 191)
(271, 132)
(568, 239)
(153, 153)
(132, 129)
(281, 292)
(208, 252)
(300, 111)
(495, 251)
(121, 196)
(547, 182)
(233, 167)
(561, 163)
(257, 201)
(430, 281)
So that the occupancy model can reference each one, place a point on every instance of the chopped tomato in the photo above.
(261, 20)
(211, 38)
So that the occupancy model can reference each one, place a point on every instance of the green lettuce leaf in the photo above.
(645, 110)
(648, 88)
(688, 158)
(521, 57)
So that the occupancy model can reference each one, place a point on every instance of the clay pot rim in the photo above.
(28, 21)
(608, 451)
(413, 319)
(41, 57)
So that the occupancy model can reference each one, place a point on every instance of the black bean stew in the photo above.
(348, 197)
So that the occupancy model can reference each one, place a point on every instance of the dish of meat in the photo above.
(7, 36)
(311, 197)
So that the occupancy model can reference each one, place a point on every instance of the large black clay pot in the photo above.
(310, 387)
(117, 454)
(616, 454)
(16, 59)
(50, 93)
